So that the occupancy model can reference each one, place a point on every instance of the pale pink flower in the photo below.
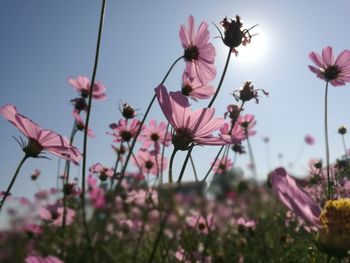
(222, 165)
(155, 135)
(246, 223)
(40, 139)
(33, 229)
(150, 162)
(247, 122)
(199, 54)
(200, 223)
(96, 193)
(124, 131)
(35, 174)
(82, 85)
(310, 140)
(190, 127)
(102, 171)
(236, 136)
(54, 214)
(81, 125)
(40, 259)
(195, 89)
(337, 72)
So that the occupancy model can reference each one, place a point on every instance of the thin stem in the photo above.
(102, 16)
(222, 78)
(326, 141)
(163, 150)
(344, 145)
(212, 165)
(12, 181)
(185, 164)
(143, 121)
(194, 168)
(171, 166)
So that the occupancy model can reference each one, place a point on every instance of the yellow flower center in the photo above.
(334, 236)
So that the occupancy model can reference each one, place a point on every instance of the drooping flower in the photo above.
(39, 139)
(81, 125)
(82, 84)
(199, 54)
(337, 72)
(332, 222)
(247, 92)
(190, 127)
(195, 89)
(155, 135)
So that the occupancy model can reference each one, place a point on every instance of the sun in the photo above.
(254, 51)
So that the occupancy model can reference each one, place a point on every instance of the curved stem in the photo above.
(171, 166)
(12, 181)
(326, 141)
(185, 164)
(102, 16)
(143, 121)
(222, 78)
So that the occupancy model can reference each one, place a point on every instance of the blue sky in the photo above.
(46, 42)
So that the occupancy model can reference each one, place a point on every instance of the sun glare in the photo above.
(254, 51)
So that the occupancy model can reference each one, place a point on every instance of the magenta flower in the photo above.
(222, 165)
(124, 131)
(190, 127)
(236, 136)
(337, 72)
(39, 139)
(199, 54)
(82, 85)
(96, 193)
(194, 88)
(309, 140)
(155, 135)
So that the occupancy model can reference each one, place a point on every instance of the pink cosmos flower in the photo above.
(246, 223)
(40, 139)
(101, 171)
(191, 127)
(247, 122)
(147, 162)
(195, 89)
(124, 131)
(236, 136)
(82, 85)
(40, 259)
(199, 54)
(155, 135)
(294, 197)
(54, 214)
(222, 165)
(35, 174)
(202, 224)
(310, 140)
(81, 125)
(337, 72)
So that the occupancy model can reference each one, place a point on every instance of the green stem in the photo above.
(12, 181)
(171, 166)
(143, 121)
(222, 78)
(185, 164)
(194, 168)
(326, 141)
(102, 16)
(163, 150)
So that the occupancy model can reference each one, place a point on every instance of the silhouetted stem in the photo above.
(251, 156)
(12, 181)
(163, 150)
(212, 165)
(143, 121)
(344, 145)
(222, 78)
(185, 164)
(326, 141)
(102, 16)
(194, 168)
(171, 166)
